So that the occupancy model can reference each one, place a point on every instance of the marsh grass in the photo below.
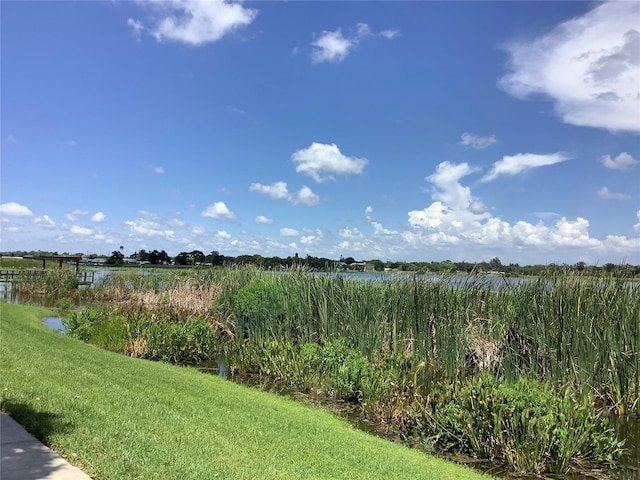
(567, 329)
(390, 344)
(20, 263)
(52, 283)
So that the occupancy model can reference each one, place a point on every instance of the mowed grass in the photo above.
(124, 418)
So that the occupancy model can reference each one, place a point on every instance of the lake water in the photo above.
(56, 324)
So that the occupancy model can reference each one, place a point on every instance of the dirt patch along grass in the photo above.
(125, 418)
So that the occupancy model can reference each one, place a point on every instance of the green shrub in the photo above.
(99, 328)
(80, 324)
(65, 303)
(525, 424)
(347, 372)
(193, 341)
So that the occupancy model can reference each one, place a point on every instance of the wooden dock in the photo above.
(84, 278)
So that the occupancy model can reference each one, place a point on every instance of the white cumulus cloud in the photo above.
(98, 217)
(218, 210)
(320, 158)
(76, 230)
(279, 191)
(588, 65)
(623, 162)
(331, 47)
(261, 219)
(306, 197)
(44, 220)
(197, 22)
(514, 164)
(453, 220)
(308, 240)
(449, 190)
(14, 209)
(276, 191)
(289, 232)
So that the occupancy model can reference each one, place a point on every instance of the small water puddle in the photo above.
(56, 324)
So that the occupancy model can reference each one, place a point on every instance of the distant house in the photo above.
(95, 261)
(364, 266)
(131, 261)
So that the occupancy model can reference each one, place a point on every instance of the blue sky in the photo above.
(411, 131)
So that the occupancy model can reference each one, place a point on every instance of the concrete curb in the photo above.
(26, 458)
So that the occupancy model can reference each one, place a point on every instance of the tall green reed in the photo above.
(568, 329)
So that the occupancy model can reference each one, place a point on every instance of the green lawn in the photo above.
(124, 418)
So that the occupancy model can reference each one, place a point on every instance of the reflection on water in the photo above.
(7, 293)
(628, 428)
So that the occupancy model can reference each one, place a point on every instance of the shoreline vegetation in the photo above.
(125, 418)
(518, 373)
(160, 259)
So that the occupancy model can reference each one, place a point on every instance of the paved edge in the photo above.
(25, 458)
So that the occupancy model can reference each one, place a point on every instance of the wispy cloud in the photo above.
(623, 162)
(237, 110)
(390, 34)
(195, 22)
(73, 215)
(159, 170)
(589, 66)
(477, 142)
(512, 165)
(333, 46)
(279, 191)
(607, 195)
(352, 233)
(136, 28)
(218, 211)
(289, 232)
(319, 158)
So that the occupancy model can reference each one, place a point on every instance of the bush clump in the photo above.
(191, 341)
(524, 424)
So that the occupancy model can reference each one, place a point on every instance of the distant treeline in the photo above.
(199, 258)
